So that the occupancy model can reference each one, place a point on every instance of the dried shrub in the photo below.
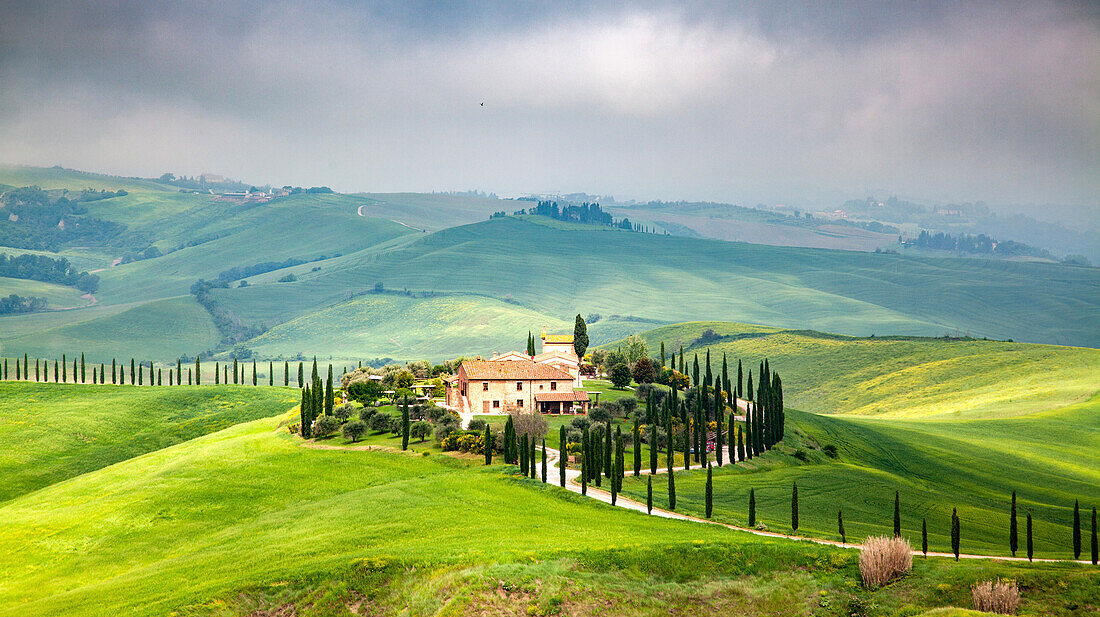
(996, 597)
(884, 559)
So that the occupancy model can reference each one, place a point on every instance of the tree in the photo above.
(301, 375)
(620, 375)
(652, 446)
(1030, 547)
(330, 394)
(709, 491)
(530, 343)
(236, 367)
(671, 489)
(956, 532)
(580, 336)
(544, 461)
(405, 425)
(487, 442)
(82, 373)
(643, 371)
(354, 430)
(840, 525)
(1013, 542)
(924, 536)
(794, 507)
(198, 372)
(649, 494)
(637, 436)
(897, 514)
(1076, 529)
(752, 507)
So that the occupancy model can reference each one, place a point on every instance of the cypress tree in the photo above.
(563, 455)
(159, 382)
(509, 439)
(18, 371)
(301, 378)
(141, 374)
(897, 514)
(752, 507)
(709, 491)
(637, 436)
(531, 460)
(1030, 546)
(1013, 542)
(523, 455)
(652, 446)
(740, 381)
(695, 371)
(55, 373)
(840, 525)
(82, 373)
(189, 377)
(719, 442)
(198, 372)
(330, 394)
(584, 465)
(179, 371)
(580, 336)
(662, 354)
(405, 425)
(270, 373)
(253, 372)
(286, 373)
(26, 373)
(64, 369)
(671, 490)
(171, 377)
(544, 461)
(1076, 529)
(487, 442)
(614, 488)
(649, 480)
(314, 374)
(682, 359)
(607, 450)
(217, 374)
(740, 445)
(956, 532)
(234, 372)
(794, 507)
(924, 536)
(1095, 546)
(597, 459)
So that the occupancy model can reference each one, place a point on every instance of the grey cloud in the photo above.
(744, 102)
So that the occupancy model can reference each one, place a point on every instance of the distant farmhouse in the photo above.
(548, 382)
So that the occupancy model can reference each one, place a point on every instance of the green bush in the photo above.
(343, 412)
(325, 425)
(354, 430)
(477, 424)
(620, 375)
(421, 430)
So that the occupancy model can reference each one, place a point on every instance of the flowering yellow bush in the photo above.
(464, 442)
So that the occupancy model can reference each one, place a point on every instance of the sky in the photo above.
(756, 102)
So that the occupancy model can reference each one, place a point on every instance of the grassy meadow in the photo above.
(53, 432)
(246, 519)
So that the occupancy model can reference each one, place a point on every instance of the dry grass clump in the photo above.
(884, 559)
(996, 597)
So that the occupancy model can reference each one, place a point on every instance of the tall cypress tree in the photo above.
(652, 446)
(270, 373)
(544, 461)
(301, 375)
(64, 369)
(840, 525)
(563, 455)
(305, 416)
(956, 532)
(330, 394)
(607, 450)
(509, 439)
(1076, 529)
(662, 354)
(752, 507)
(584, 464)
(719, 442)
(253, 372)
(405, 425)
(56, 378)
(1030, 545)
(235, 366)
(709, 492)
(740, 381)
(286, 373)
(1013, 541)
(198, 371)
(671, 490)
(217, 374)
(580, 336)
(924, 536)
(487, 442)
(159, 371)
(794, 507)
(179, 371)
(523, 452)
(897, 514)
(637, 436)
(649, 483)
(741, 445)
(82, 373)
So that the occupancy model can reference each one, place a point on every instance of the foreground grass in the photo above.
(246, 518)
(52, 432)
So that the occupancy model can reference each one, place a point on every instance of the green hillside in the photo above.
(246, 520)
(159, 330)
(54, 432)
(902, 377)
(57, 296)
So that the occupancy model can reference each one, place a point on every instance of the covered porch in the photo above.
(574, 402)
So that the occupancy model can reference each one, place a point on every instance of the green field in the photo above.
(245, 518)
(57, 296)
(55, 432)
(898, 376)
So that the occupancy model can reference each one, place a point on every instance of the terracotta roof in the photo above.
(559, 338)
(511, 369)
(578, 396)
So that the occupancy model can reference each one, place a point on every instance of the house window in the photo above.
(519, 386)
(553, 385)
(540, 386)
(496, 404)
(519, 402)
(484, 386)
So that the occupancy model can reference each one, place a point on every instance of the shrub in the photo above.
(830, 451)
(620, 375)
(420, 430)
(884, 559)
(477, 424)
(294, 428)
(325, 425)
(627, 404)
(366, 413)
(444, 431)
(343, 412)
(996, 597)
(354, 430)
(380, 423)
(599, 414)
(801, 455)
(580, 422)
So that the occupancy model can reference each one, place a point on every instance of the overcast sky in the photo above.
(759, 102)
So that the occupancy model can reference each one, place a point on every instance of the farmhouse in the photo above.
(548, 382)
